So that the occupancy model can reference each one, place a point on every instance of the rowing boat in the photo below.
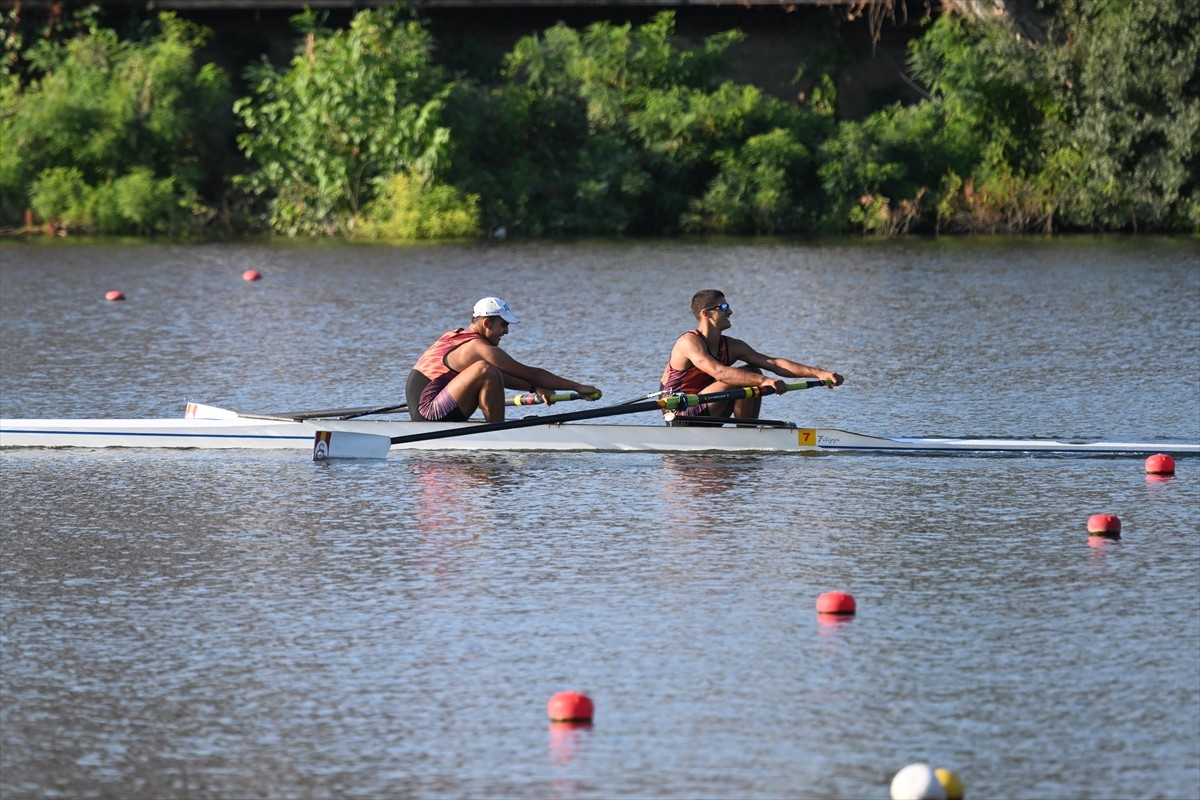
(214, 427)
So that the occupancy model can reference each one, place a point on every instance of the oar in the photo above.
(348, 444)
(561, 397)
(331, 413)
(366, 411)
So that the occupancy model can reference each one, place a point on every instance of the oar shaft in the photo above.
(356, 413)
(331, 413)
(675, 402)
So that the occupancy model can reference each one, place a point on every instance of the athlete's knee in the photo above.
(484, 372)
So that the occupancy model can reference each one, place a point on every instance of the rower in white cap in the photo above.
(466, 369)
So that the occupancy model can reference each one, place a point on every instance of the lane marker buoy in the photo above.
(1104, 525)
(949, 782)
(1160, 464)
(251, 275)
(917, 782)
(836, 603)
(115, 294)
(570, 707)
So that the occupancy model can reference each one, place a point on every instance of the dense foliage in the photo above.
(1088, 121)
(1095, 128)
(614, 130)
(356, 108)
(110, 135)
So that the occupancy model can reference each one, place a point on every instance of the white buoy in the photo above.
(917, 782)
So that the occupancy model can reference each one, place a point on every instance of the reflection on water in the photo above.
(566, 739)
(699, 493)
(455, 492)
(240, 624)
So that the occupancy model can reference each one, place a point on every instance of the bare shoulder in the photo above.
(476, 348)
(687, 344)
(737, 347)
(470, 352)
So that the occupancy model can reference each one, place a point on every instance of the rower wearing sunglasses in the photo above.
(465, 370)
(705, 361)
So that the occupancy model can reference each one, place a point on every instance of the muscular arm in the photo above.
(689, 351)
(517, 376)
(780, 366)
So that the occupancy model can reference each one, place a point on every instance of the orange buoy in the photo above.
(251, 275)
(836, 603)
(1160, 464)
(1104, 525)
(569, 707)
(115, 294)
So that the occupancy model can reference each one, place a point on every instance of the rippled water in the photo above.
(252, 624)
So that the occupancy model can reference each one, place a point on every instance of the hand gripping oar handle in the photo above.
(561, 397)
(675, 402)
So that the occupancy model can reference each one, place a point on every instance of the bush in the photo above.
(355, 107)
(60, 194)
(1095, 127)
(615, 130)
(751, 192)
(405, 209)
(80, 117)
(1130, 147)
(1091, 122)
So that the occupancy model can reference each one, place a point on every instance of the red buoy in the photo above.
(251, 275)
(1104, 525)
(569, 707)
(115, 294)
(836, 603)
(1160, 464)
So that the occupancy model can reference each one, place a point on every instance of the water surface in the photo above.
(250, 624)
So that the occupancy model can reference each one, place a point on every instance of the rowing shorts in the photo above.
(437, 404)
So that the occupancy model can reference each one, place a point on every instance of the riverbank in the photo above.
(390, 127)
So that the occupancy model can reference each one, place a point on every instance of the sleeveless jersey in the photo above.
(432, 364)
(431, 373)
(693, 379)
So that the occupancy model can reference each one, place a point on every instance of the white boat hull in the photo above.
(266, 435)
(215, 428)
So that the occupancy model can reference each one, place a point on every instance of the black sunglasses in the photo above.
(723, 307)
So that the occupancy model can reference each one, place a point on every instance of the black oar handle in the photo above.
(674, 402)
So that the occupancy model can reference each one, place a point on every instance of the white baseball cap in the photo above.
(494, 307)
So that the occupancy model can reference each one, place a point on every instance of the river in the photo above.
(251, 624)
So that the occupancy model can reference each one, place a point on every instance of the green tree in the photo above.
(356, 108)
(1094, 124)
(614, 129)
(1130, 149)
(111, 115)
(948, 162)
(550, 149)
